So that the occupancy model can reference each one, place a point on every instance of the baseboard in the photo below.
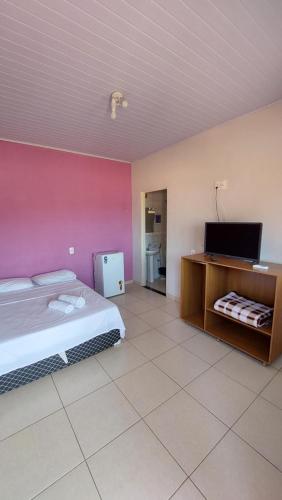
(173, 297)
(139, 283)
(129, 282)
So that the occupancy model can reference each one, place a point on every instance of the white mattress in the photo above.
(30, 331)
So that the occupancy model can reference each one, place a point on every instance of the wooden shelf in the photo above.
(204, 280)
(240, 337)
(265, 330)
(273, 269)
(197, 319)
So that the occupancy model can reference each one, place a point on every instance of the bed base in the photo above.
(29, 373)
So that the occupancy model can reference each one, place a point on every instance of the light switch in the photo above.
(71, 250)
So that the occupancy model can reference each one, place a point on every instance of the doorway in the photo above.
(155, 240)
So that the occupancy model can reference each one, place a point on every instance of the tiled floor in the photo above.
(169, 414)
(159, 285)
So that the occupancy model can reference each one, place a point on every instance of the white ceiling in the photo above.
(184, 66)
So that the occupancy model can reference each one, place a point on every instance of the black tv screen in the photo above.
(234, 239)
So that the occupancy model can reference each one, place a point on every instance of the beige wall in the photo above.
(247, 152)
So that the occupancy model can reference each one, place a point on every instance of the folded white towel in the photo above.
(57, 305)
(72, 299)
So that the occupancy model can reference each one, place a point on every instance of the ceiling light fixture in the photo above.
(117, 101)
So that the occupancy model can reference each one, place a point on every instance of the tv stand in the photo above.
(204, 280)
(213, 259)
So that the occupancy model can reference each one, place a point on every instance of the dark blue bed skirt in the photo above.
(27, 374)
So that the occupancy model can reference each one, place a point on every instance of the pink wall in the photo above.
(51, 200)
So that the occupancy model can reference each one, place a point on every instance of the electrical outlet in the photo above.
(220, 184)
(71, 250)
(192, 251)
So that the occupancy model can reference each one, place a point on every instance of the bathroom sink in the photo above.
(153, 263)
(152, 252)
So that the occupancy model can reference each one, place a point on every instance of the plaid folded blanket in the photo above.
(244, 310)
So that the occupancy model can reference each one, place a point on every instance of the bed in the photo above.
(35, 340)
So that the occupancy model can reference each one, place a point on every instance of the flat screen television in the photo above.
(241, 240)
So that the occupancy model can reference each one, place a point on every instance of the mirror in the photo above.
(149, 221)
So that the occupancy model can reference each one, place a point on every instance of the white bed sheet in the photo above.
(30, 331)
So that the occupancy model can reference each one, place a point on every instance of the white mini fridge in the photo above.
(109, 273)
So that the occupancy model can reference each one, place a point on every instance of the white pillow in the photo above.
(13, 284)
(54, 277)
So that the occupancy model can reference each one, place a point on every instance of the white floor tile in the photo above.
(147, 387)
(261, 427)
(79, 379)
(234, 471)
(181, 365)
(178, 330)
(186, 429)
(27, 404)
(139, 307)
(273, 391)
(158, 284)
(221, 395)
(135, 326)
(76, 485)
(277, 363)
(100, 417)
(125, 313)
(37, 456)
(207, 348)
(121, 359)
(188, 491)
(124, 299)
(132, 287)
(144, 294)
(172, 308)
(135, 466)
(152, 343)
(157, 299)
(156, 317)
(246, 370)
(154, 298)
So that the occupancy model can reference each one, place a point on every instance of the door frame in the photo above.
(143, 232)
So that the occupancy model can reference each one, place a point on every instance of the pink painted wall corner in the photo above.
(51, 200)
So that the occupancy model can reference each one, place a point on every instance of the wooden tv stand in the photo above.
(204, 279)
